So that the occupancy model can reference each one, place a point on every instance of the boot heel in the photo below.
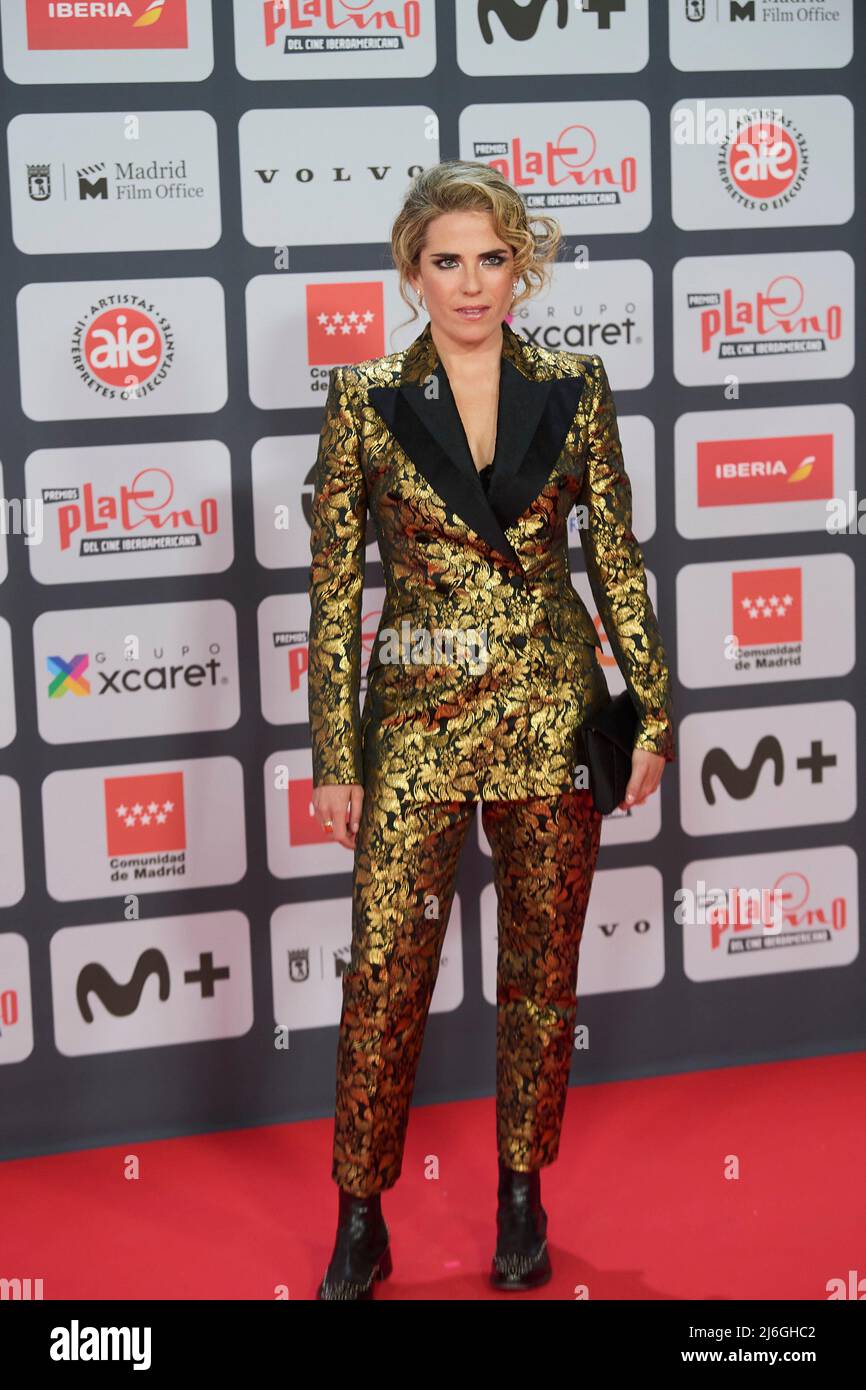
(522, 1259)
(362, 1252)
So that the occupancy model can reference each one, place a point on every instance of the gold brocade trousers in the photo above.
(406, 857)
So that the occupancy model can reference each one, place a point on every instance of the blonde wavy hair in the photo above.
(458, 185)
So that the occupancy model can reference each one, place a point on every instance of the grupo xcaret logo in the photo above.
(132, 671)
(68, 676)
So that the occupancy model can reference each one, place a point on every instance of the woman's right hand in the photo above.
(341, 805)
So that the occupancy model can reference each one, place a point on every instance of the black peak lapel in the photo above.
(426, 432)
(529, 463)
(535, 415)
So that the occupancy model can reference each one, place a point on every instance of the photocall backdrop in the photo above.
(195, 230)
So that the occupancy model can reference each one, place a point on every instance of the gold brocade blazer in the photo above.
(484, 663)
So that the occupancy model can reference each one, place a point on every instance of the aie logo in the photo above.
(76, 1343)
(765, 165)
(122, 351)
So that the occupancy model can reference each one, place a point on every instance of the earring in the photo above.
(420, 298)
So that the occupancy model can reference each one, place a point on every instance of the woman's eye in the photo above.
(447, 261)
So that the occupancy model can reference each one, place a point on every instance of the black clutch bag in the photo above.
(608, 737)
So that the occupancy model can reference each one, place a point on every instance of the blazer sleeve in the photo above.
(337, 547)
(617, 578)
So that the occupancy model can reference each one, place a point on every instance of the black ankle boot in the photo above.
(521, 1260)
(361, 1251)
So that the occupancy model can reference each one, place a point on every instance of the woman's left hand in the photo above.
(646, 773)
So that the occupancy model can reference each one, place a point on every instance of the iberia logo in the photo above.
(144, 813)
(125, 349)
(99, 24)
(769, 468)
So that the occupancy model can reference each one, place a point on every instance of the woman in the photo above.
(469, 449)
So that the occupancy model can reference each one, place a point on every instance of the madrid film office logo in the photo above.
(696, 10)
(167, 182)
(92, 182)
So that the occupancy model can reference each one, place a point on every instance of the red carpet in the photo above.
(638, 1203)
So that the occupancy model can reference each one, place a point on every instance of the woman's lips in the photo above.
(474, 313)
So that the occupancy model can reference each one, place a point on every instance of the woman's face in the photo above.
(465, 266)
